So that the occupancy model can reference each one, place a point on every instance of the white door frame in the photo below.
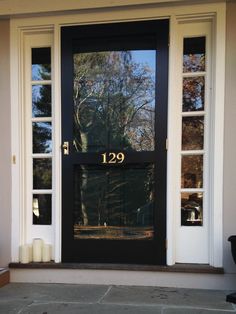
(19, 27)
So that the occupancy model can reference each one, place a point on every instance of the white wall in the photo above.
(229, 216)
(5, 145)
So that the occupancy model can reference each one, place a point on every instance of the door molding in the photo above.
(19, 27)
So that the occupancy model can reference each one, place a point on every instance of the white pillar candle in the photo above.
(46, 254)
(30, 252)
(37, 250)
(24, 254)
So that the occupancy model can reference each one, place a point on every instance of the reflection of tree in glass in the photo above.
(192, 171)
(194, 62)
(112, 196)
(41, 101)
(113, 102)
(41, 71)
(42, 173)
(192, 133)
(42, 137)
(193, 94)
(113, 109)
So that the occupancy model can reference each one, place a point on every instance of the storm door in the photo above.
(114, 109)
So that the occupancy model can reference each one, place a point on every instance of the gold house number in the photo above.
(113, 158)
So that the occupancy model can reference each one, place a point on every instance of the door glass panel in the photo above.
(42, 173)
(42, 209)
(41, 64)
(114, 100)
(42, 137)
(113, 203)
(193, 93)
(191, 209)
(192, 133)
(41, 100)
(192, 171)
(194, 54)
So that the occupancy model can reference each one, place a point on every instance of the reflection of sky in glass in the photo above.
(145, 57)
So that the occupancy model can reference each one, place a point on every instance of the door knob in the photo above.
(65, 148)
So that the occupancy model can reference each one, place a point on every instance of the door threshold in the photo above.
(182, 268)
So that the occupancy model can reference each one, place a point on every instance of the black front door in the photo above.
(114, 116)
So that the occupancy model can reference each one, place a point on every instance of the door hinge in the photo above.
(167, 144)
(166, 244)
(14, 159)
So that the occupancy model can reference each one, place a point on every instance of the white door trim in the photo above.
(213, 12)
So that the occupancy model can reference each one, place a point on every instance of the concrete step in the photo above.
(4, 277)
(124, 277)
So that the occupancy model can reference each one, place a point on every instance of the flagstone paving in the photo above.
(20, 298)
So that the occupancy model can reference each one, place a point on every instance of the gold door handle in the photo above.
(65, 148)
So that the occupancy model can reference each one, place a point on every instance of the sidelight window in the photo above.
(41, 123)
(193, 129)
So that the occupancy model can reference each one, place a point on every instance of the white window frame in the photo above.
(195, 236)
(211, 12)
(31, 231)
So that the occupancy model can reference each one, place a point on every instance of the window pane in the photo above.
(193, 93)
(192, 133)
(42, 137)
(42, 173)
(194, 54)
(109, 204)
(42, 209)
(114, 100)
(41, 101)
(191, 209)
(192, 171)
(41, 64)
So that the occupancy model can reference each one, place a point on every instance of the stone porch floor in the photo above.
(21, 298)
